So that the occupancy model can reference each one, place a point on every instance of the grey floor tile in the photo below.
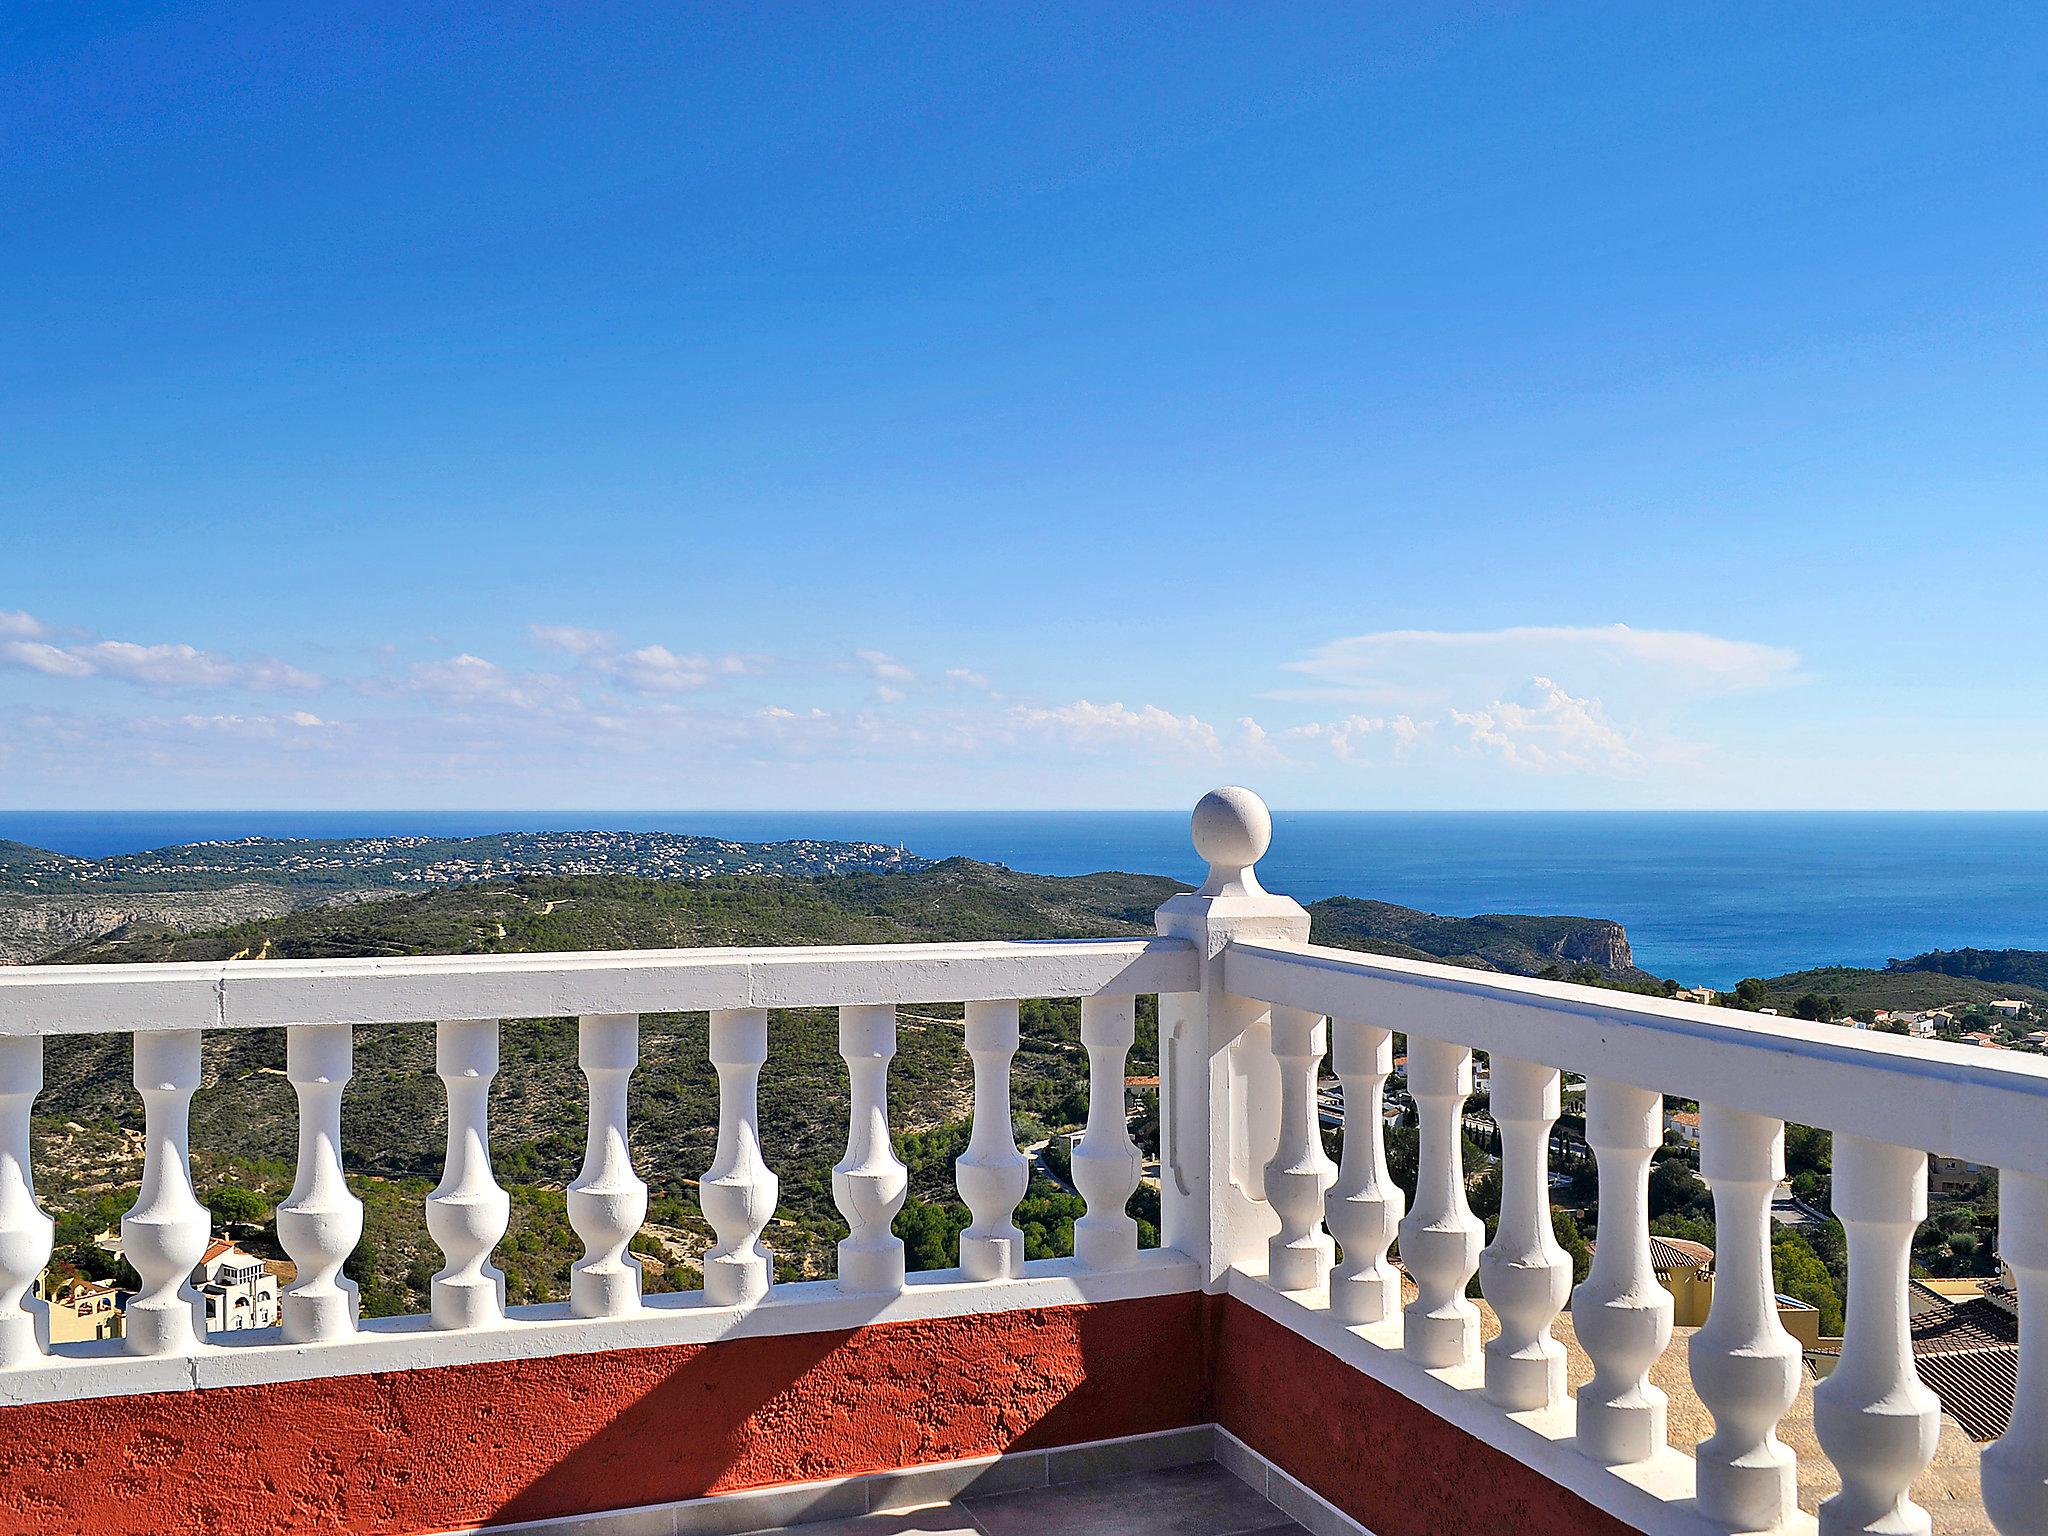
(945, 1520)
(1202, 1500)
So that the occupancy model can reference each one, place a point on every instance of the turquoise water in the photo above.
(1706, 897)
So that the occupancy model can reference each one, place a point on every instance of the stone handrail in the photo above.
(1888, 1101)
(168, 1009)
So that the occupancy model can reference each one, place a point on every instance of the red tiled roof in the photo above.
(1679, 1253)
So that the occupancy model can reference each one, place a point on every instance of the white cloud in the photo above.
(967, 678)
(884, 666)
(158, 667)
(1090, 725)
(1346, 737)
(890, 695)
(50, 660)
(1405, 662)
(651, 669)
(18, 625)
(1555, 732)
(467, 680)
(569, 638)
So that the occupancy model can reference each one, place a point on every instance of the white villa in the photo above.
(239, 1292)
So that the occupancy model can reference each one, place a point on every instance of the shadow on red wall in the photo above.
(454, 1446)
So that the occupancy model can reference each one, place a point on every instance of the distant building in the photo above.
(1686, 1270)
(82, 1310)
(1695, 994)
(239, 1291)
(1684, 1124)
(1952, 1176)
(2011, 1007)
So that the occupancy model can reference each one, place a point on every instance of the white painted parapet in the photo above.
(608, 1201)
(1523, 1273)
(739, 1191)
(1299, 1255)
(1106, 1161)
(25, 1228)
(1875, 1419)
(467, 1213)
(869, 1183)
(1745, 1366)
(320, 1221)
(1623, 1316)
(1365, 1204)
(2016, 1464)
(164, 1236)
(1440, 1237)
(992, 1173)
(1210, 1210)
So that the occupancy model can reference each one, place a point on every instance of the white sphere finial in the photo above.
(1232, 830)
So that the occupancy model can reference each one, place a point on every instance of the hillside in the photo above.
(1524, 946)
(244, 1121)
(49, 900)
(1924, 981)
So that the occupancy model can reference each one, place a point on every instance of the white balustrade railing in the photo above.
(608, 1201)
(1524, 1273)
(738, 1191)
(320, 1221)
(164, 1235)
(1745, 1366)
(1249, 1014)
(1440, 1237)
(25, 1229)
(1365, 1204)
(992, 1173)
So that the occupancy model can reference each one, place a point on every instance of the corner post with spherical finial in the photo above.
(1215, 1049)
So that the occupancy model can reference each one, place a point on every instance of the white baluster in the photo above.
(467, 1212)
(1623, 1316)
(869, 1183)
(992, 1173)
(1523, 1273)
(1365, 1204)
(320, 1221)
(1875, 1419)
(738, 1193)
(1744, 1364)
(1299, 1255)
(25, 1229)
(2015, 1467)
(608, 1201)
(1106, 1161)
(164, 1236)
(1440, 1237)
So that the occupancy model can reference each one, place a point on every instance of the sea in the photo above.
(1706, 897)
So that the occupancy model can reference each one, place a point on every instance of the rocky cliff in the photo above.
(34, 926)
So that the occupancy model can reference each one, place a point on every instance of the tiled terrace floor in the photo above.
(1199, 1500)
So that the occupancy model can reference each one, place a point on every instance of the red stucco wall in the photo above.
(1388, 1463)
(410, 1451)
(424, 1450)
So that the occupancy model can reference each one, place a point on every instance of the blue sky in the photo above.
(1023, 406)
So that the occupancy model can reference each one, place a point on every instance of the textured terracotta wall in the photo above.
(410, 1451)
(1394, 1466)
